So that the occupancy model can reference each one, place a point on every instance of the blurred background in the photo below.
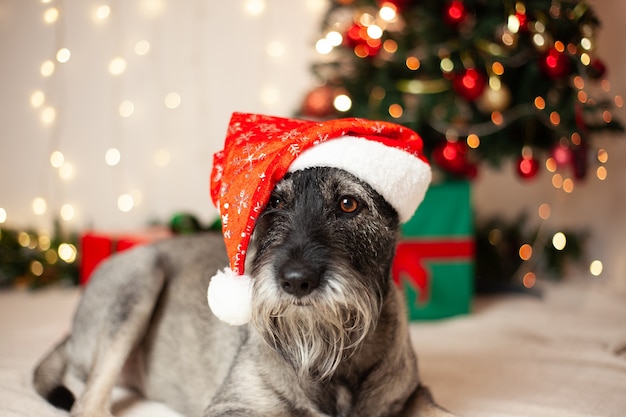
(111, 111)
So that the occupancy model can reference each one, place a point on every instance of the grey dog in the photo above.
(328, 335)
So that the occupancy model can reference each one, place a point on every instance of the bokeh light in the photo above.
(596, 268)
(559, 241)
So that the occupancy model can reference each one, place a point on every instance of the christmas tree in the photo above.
(29, 259)
(482, 81)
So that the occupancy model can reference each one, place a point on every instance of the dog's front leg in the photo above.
(260, 384)
(131, 286)
(108, 364)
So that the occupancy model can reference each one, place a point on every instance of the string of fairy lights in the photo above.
(117, 66)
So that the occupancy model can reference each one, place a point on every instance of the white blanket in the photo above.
(515, 356)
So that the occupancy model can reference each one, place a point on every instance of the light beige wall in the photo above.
(217, 56)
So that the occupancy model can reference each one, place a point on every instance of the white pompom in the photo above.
(230, 297)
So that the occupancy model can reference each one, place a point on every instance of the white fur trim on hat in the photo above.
(230, 297)
(400, 177)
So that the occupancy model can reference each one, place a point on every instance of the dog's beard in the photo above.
(316, 333)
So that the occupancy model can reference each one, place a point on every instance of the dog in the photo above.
(328, 336)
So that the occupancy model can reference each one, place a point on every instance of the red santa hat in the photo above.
(259, 150)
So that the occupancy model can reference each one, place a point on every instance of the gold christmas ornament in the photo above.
(494, 99)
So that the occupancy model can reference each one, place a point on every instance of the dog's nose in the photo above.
(298, 280)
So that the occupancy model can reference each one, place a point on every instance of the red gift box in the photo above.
(98, 246)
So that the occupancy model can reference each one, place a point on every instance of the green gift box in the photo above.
(434, 263)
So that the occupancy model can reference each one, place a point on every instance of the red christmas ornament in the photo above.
(555, 64)
(318, 103)
(451, 156)
(527, 167)
(455, 13)
(469, 84)
(356, 35)
(364, 46)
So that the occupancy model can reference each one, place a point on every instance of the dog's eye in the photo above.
(348, 204)
(276, 203)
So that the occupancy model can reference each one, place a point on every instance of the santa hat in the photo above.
(259, 150)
